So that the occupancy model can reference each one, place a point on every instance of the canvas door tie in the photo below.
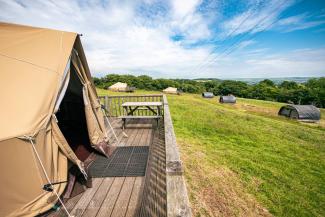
(49, 187)
(32, 141)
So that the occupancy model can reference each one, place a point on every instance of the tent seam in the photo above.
(25, 61)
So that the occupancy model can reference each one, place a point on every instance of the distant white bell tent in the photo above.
(171, 90)
(119, 87)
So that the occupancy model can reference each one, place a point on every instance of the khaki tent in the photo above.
(49, 115)
(171, 90)
(119, 86)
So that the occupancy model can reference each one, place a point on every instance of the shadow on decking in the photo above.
(154, 195)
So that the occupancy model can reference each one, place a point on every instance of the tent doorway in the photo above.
(72, 119)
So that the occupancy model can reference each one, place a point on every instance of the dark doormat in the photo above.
(125, 161)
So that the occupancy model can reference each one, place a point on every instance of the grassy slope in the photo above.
(244, 160)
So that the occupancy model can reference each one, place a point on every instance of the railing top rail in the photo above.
(172, 152)
(133, 95)
(177, 198)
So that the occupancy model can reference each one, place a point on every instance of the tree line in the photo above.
(310, 92)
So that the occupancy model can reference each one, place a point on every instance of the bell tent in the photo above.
(171, 90)
(301, 112)
(119, 86)
(50, 115)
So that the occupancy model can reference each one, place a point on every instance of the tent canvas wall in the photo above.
(119, 86)
(300, 112)
(171, 90)
(227, 99)
(43, 73)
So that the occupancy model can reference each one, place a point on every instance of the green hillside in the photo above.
(244, 160)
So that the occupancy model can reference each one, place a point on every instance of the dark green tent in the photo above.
(207, 95)
(227, 99)
(300, 112)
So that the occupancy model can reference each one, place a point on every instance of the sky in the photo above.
(188, 38)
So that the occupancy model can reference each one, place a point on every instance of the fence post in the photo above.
(106, 103)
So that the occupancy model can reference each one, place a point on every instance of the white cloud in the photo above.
(293, 20)
(259, 64)
(259, 16)
(297, 22)
(115, 37)
(135, 37)
(265, 15)
(183, 8)
(245, 44)
(187, 21)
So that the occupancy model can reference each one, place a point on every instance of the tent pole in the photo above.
(111, 127)
(30, 139)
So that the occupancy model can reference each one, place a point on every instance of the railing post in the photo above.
(106, 103)
(177, 199)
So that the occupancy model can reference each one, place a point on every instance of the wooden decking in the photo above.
(161, 192)
(124, 196)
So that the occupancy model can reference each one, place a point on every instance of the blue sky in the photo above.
(188, 38)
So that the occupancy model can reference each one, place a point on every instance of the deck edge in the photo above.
(177, 198)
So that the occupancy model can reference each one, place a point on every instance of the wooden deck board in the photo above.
(134, 201)
(115, 196)
(98, 198)
(131, 133)
(82, 204)
(137, 138)
(70, 204)
(111, 197)
(122, 201)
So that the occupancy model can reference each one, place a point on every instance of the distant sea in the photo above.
(275, 80)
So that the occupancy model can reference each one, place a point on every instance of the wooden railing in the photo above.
(177, 198)
(113, 104)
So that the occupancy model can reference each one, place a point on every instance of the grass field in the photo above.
(244, 160)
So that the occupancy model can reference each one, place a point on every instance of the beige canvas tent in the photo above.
(119, 86)
(171, 90)
(49, 115)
